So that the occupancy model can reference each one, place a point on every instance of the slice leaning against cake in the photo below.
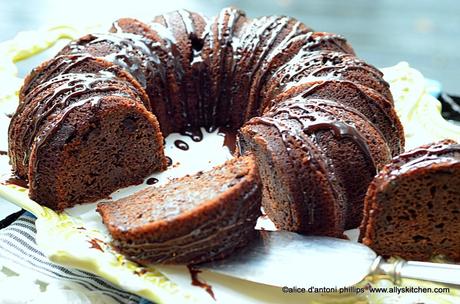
(189, 220)
(412, 208)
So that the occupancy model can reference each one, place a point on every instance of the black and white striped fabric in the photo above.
(17, 244)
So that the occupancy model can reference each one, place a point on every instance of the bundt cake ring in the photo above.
(319, 121)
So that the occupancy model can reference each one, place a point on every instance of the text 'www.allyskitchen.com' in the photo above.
(366, 289)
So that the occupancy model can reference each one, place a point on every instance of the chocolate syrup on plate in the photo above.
(180, 144)
(95, 244)
(195, 134)
(211, 129)
(151, 181)
(196, 282)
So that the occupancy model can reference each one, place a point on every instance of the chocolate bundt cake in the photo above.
(188, 71)
(189, 220)
(412, 208)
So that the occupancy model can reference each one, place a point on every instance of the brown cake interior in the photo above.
(412, 207)
(97, 158)
(411, 223)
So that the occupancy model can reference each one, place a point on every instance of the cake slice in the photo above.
(412, 207)
(189, 220)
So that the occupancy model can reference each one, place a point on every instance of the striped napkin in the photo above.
(17, 245)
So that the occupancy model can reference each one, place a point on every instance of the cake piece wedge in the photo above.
(412, 208)
(189, 220)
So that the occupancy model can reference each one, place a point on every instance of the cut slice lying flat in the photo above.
(189, 220)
